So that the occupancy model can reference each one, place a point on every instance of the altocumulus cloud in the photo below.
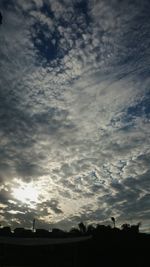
(74, 111)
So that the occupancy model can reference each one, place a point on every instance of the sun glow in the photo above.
(26, 193)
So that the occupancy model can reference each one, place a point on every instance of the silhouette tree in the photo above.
(1, 18)
(114, 221)
(125, 226)
(33, 225)
(90, 229)
(131, 228)
(135, 228)
(82, 227)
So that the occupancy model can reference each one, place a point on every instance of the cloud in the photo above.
(74, 114)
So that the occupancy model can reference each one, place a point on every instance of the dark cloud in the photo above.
(52, 204)
(4, 196)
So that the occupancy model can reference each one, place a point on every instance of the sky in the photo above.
(74, 112)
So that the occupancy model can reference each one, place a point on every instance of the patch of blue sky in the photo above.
(6, 4)
(127, 120)
(82, 7)
(140, 109)
(45, 9)
(46, 43)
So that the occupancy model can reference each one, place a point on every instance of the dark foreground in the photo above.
(121, 250)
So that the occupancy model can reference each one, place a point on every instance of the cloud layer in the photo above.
(74, 111)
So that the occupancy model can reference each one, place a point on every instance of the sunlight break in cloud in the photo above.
(25, 193)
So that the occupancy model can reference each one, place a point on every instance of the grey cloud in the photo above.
(89, 216)
(130, 198)
(20, 130)
(140, 182)
(4, 196)
(52, 204)
(24, 215)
